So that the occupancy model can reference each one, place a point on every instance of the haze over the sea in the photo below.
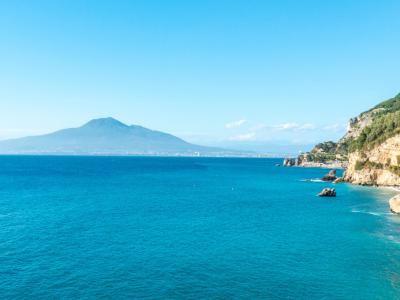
(257, 75)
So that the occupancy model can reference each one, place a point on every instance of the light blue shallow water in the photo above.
(190, 228)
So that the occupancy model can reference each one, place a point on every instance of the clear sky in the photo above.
(212, 72)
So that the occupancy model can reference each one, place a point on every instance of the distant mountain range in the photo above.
(107, 136)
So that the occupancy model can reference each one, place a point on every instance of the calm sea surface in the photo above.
(190, 228)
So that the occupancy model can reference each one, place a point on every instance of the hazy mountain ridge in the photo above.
(105, 136)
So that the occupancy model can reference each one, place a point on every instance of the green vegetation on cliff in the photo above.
(390, 105)
(326, 147)
(369, 129)
(322, 152)
(385, 124)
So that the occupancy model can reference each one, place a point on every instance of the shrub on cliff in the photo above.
(383, 127)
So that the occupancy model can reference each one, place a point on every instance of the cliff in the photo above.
(371, 146)
(376, 166)
(324, 154)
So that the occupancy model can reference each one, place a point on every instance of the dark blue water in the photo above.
(190, 228)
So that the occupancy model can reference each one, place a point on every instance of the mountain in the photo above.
(106, 136)
(371, 146)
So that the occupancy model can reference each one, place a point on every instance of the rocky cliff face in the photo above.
(356, 125)
(377, 166)
(371, 146)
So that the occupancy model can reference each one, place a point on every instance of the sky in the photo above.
(243, 73)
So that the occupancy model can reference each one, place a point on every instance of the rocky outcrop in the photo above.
(301, 161)
(331, 176)
(324, 155)
(394, 204)
(338, 180)
(371, 146)
(290, 162)
(356, 125)
(377, 166)
(327, 192)
(325, 165)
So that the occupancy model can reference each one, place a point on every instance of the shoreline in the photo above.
(393, 202)
(393, 188)
(298, 162)
(321, 165)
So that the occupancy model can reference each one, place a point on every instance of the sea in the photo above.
(87, 227)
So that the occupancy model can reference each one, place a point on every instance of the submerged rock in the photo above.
(327, 192)
(331, 176)
(394, 204)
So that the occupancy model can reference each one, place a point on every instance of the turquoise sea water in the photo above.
(190, 228)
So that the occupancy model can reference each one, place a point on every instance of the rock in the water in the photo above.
(327, 192)
(338, 180)
(290, 162)
(331, 176)
(394, 204)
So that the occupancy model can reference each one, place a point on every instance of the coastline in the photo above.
(393, 188)
(393, 202)
(298, 162)
(333, 165)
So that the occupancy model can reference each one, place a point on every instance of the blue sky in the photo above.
(213, 72)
